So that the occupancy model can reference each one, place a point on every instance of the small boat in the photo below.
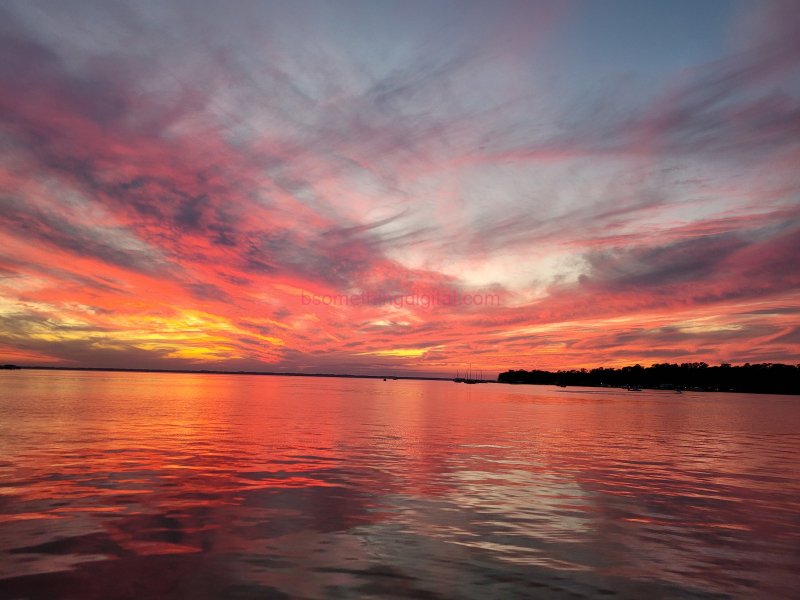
(469, 378)
(634, 388)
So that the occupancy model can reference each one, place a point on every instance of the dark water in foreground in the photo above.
(145, 486)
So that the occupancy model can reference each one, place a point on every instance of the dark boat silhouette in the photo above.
(469, 378)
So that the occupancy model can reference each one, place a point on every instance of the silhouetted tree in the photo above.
(770, 378)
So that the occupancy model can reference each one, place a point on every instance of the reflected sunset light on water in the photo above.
(215, 485)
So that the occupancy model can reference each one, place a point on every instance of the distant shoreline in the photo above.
(8, 367)
(759, 378)
(562, 379)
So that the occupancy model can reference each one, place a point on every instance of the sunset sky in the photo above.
(198, 184)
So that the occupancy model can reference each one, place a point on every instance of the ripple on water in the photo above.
(245, 487)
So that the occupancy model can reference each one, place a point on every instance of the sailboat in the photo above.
(469, 378)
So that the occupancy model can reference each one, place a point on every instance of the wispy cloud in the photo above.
(173, 178)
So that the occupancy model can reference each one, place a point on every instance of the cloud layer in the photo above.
(174, 179)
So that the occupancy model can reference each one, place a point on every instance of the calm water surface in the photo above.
(117, 485)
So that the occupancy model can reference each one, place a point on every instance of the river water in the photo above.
(142, 485)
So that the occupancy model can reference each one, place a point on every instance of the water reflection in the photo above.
(141, 485)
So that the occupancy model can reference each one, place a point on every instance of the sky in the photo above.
(399, 187)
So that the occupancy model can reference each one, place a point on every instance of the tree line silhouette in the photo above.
(764, 378)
